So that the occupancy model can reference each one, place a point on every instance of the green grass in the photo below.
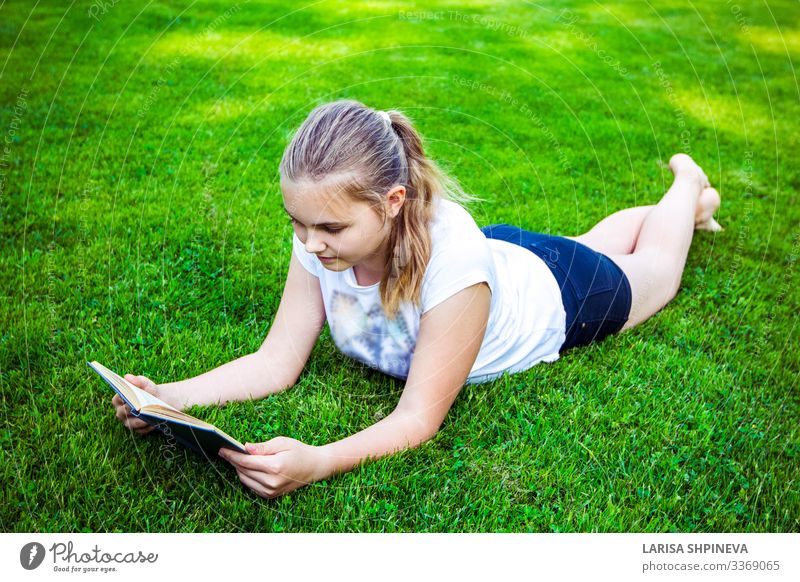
(142, 227)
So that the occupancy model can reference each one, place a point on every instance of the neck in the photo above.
(371, 270)
(365, 277)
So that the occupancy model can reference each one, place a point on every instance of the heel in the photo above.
(710, 225)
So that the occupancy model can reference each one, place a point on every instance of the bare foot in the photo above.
(684, 166)
(708, 200)
(707, 204)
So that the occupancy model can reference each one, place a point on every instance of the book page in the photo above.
(142, 397)
(190, 431)
(147, 399)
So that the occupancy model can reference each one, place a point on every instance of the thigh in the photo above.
(599, 291)
(615, 234)
(594, 290)
(651, 274)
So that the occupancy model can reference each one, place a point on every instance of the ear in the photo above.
(395, 199)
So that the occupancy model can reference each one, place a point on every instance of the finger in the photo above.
(272, 446)
(257, 487)
(134, 423)
(123, 411)
(117, 401)
(268, 482)
(255, 462)
(252, 483)
(272, 481)
(138, 423)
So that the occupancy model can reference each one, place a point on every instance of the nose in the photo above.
(313, 244)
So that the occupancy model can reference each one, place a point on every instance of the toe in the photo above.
(710, 225)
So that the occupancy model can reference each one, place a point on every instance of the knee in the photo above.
(664, 278)
(671, 283)
(673, 291)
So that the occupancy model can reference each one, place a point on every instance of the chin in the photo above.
(339, 265)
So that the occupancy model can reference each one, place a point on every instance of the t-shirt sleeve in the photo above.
(456, 266)
(308, 260)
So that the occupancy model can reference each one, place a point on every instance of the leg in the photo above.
(616, 234)
(655, 267)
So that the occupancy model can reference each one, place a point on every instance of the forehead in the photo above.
(320, 202)
(312, 197)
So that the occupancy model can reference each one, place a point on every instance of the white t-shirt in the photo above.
(526, 320)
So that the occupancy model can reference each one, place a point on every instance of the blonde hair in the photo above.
(350, 146)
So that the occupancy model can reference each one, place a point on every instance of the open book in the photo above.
(191, 432)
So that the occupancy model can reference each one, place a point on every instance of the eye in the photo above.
(326, 229)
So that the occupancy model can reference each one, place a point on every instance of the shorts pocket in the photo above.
(588, 272)
(587, 332)
(607, 308)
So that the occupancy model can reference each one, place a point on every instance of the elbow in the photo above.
(422, 436)
(419, 427)
(426, 433)
(430, 428)
(275, 378)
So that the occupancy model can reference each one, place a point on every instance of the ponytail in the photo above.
(346, 138)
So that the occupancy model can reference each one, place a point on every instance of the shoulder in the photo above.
(453, 230)
(449, 212)
(460, 255)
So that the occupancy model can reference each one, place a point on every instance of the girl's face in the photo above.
(341, 232)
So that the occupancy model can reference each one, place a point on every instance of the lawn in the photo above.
(142, 227)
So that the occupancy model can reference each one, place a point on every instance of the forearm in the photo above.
(400, 430)
(247, 378)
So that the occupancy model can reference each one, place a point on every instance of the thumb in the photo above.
(270, 447)
(133, 380)
(147, 384)
(143, 383)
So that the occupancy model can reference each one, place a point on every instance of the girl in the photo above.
(409, 284)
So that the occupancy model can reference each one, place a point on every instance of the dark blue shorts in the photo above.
(595, 291)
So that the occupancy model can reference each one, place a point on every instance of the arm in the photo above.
(279, 361)
(448, 343)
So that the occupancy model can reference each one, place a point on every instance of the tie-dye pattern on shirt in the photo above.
(370, 337)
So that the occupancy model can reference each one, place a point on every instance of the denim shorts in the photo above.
(595, 291)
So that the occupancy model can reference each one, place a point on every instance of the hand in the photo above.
(277, 466)
(123, 411)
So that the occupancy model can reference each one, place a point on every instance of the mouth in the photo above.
(326, 259)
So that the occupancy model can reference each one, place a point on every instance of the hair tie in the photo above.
(385, 117)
